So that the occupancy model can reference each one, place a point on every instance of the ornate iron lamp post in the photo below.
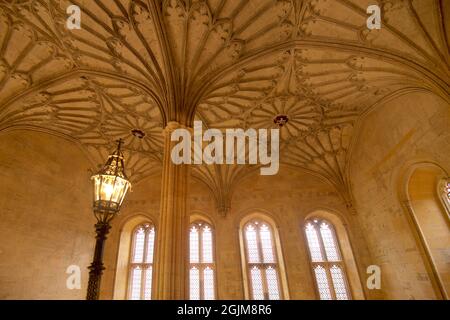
(110, 187)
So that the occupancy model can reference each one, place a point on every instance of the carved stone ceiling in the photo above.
(135, 65)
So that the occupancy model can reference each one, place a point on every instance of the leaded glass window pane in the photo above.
(208, 283)
(141, 263)
(148, 283)
(446, 194)
(447, 190)
(326, 260)
(252, 245)
(262, 261)
(322, 283)
(136, 276)
(313, 242)
(207, 245)
(194, 283)
(257, 285)
(194, 245)
(150, 245)
(272, 283)
(339, 283)
(138, 253)
(201, 249)
(266, 244)
(328, 242)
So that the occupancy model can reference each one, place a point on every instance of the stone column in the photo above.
(171, 256)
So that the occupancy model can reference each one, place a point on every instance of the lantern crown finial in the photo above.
(115, 164)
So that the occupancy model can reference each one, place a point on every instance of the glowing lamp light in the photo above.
(110, 186)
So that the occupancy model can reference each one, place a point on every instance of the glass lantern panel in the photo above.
(107, 188)
(120, 190)
(97, 182)
(110, 188)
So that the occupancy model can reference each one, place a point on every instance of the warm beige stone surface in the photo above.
(294, 197)
(136, 66)
(143, 201)
(287, 198)
(49, 235)
(432, 219)
(170, 271)
(46, 221)
(410, 129)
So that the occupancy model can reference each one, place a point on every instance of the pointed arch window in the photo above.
(428, 205)
(201, 262)
(141, 264)
(326, 260)
(262, 261)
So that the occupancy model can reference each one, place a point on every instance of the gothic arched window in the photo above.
(141, 263)
(326, 260)
(201, 262)
(428, 203)
(262, 261)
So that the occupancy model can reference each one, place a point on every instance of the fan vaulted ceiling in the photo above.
(136, 65)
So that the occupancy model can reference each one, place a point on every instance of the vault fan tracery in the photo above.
(138, 64)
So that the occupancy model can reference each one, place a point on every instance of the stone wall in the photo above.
(407, 130)
(46, 221)
(287, 198)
